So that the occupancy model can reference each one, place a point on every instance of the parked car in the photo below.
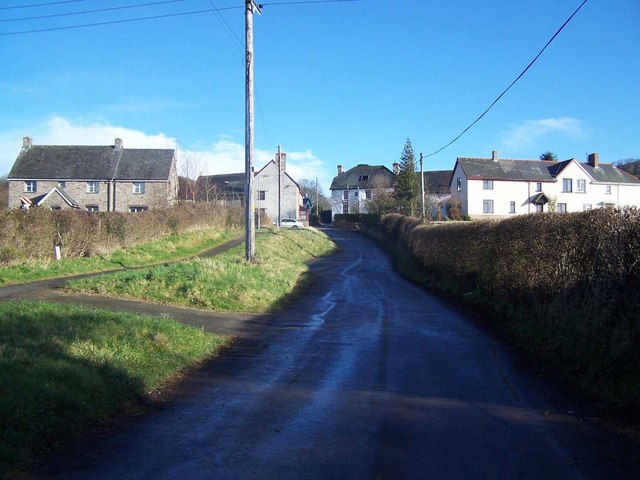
(291, 223)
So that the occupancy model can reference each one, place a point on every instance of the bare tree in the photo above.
(190, 167)
(309, 190)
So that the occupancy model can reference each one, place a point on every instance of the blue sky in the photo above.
(336, 83)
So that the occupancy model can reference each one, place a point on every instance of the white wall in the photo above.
(267, 180)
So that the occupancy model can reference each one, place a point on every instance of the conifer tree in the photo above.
(407, 188)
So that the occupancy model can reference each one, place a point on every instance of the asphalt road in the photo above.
(365, 376)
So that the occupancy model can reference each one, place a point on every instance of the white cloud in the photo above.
(529, 133)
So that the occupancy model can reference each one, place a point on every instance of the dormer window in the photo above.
(363, 178)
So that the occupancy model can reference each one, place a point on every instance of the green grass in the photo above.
(170, 248)
(226, 283)
(65, 367)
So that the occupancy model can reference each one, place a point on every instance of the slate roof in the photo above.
(364, 176)
(538, 170)
(507, 169)
(71, 162)
(229, 182)
(438, 182)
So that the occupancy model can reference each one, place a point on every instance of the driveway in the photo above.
(365, 376)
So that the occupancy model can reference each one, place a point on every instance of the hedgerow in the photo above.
(32, 234)
(565, 284)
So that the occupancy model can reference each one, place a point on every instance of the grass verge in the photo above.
(169, 248)
(65, 367)
(226, 283)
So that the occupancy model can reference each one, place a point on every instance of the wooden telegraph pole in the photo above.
(249, 205)
(424, 217)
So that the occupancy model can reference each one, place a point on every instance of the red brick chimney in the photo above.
(593, 160)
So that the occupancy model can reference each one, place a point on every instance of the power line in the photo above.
(112, 22)
(124, 7)
(226, 25)
(300, 2)
(512, 83)
(41, 4)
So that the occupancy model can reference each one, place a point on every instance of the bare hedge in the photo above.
(569, 282)
(32, 234)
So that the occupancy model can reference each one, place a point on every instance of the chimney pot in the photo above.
(396, 168)
(340, 169)
(593, 160)
(494, 155)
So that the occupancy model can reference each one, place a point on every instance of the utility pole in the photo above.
(422, 189)
(279, 165)
(249, 206)
(317, 205)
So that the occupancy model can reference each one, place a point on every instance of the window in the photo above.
(512, 207)
(137, 209)
(93, 187)
(487, 206)
(367, 194)
(262, 195)
(62, 184)
(538, 186)
(607, 189)
(138, 187)
(56, 207)
(345, 195)
(459, 184)
(355, 194)
(581, 186)
(30, 186)
(567, 185)
(562, 208)
(587, 206)
(345, 208)
(92, 208)
(538, 208)
(363, 178)
(487, 184)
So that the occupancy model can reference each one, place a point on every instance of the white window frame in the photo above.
(607, 189)
(459, 184)
(586, 207)
(512, 207)
(581, 185)
(487, 184)
(262, 195)
(31, 186)
(567, 185)
(138, 209)
(345, 208)
(138, 187)
(367, 194)
(561, 207)
(93, 208)
(487, 206)
(538, 186)
(62, 184)
(345, 195)
(93, 187)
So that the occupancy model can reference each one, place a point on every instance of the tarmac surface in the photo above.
(363, 376)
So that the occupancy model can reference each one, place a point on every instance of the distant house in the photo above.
(437, 190)
(494, 187)
(352, 190)
(229, 189)
(94, 178)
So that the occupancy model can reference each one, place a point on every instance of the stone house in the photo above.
(495, 187)
(230, 189)
(352, 190)
(95, 178)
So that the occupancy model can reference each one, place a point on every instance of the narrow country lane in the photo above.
(365, 376)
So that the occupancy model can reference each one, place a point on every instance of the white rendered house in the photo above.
(493, 187)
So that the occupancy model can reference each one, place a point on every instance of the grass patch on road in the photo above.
(169, 248)
(226, 283)
(65, 367)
